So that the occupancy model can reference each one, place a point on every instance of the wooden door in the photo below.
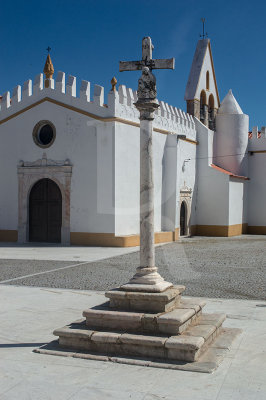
(45, 212)
(183, 219)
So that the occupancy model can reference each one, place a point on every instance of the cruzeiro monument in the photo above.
(146, 321)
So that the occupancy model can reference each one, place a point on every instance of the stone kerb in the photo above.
(120, 103)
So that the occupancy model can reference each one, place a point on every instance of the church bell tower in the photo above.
(201, 94)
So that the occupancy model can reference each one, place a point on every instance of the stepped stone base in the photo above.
(160, 326)
(186, 347)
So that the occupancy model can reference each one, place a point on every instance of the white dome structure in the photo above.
(231, 136)
(230, 105)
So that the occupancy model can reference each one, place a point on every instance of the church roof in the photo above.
(231, 174)
(196, 68)
(229, 105)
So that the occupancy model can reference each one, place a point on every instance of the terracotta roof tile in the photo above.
(224, 171)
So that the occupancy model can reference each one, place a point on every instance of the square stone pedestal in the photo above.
(145, 301)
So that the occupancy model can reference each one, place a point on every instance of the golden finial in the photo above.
(48, 68)
(113, 83)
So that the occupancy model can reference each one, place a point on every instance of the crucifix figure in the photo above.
(146, 278)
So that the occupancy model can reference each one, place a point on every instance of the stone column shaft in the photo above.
(147, 255)
(146, 278)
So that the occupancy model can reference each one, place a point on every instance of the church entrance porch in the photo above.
(185, 210)
(44, 188)
(45, 212)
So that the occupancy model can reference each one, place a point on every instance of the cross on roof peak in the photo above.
(204, 34)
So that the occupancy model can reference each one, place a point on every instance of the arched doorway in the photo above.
(45, 212)
(183, 219)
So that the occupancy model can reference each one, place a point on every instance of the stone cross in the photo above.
(147, 278)
(147, 60)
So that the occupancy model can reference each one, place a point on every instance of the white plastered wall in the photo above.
(221, 199)
(237, 201)
(85, 142)
(212, 186)
(186, 180)
(126, 156)
(257, 186)
(127, 170)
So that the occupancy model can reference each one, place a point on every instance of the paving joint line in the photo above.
(43, 272)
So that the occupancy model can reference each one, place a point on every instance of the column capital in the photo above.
(147, 108)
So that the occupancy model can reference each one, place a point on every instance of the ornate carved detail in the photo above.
(185, 191)
(44, 162)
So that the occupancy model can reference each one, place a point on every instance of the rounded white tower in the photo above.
(231, 136)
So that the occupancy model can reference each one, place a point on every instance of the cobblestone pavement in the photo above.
(209, 267)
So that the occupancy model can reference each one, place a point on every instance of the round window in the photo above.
(44, 134)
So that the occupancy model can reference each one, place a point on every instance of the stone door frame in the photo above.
(31, 172)
(186, 197)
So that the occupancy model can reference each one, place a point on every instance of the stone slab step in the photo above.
(212, 319)
(178, 320)
(207, 363)
(185, 347)
(173, 322)
(208, 327)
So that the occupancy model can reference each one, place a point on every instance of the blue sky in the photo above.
(88, 38)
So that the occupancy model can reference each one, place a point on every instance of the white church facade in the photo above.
(70, 163)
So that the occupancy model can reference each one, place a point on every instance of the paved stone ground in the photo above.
(209, 267)
(29, 315)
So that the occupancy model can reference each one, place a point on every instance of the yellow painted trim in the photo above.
(59, 103)
(235, 230)
(165, 132)
(8, 236)
(110, 240)
(191, 101)
(193, 230)
(257, 230)
(176, 234)
(257, 151)
(219, 230)
(88, 114)
(190, 141)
